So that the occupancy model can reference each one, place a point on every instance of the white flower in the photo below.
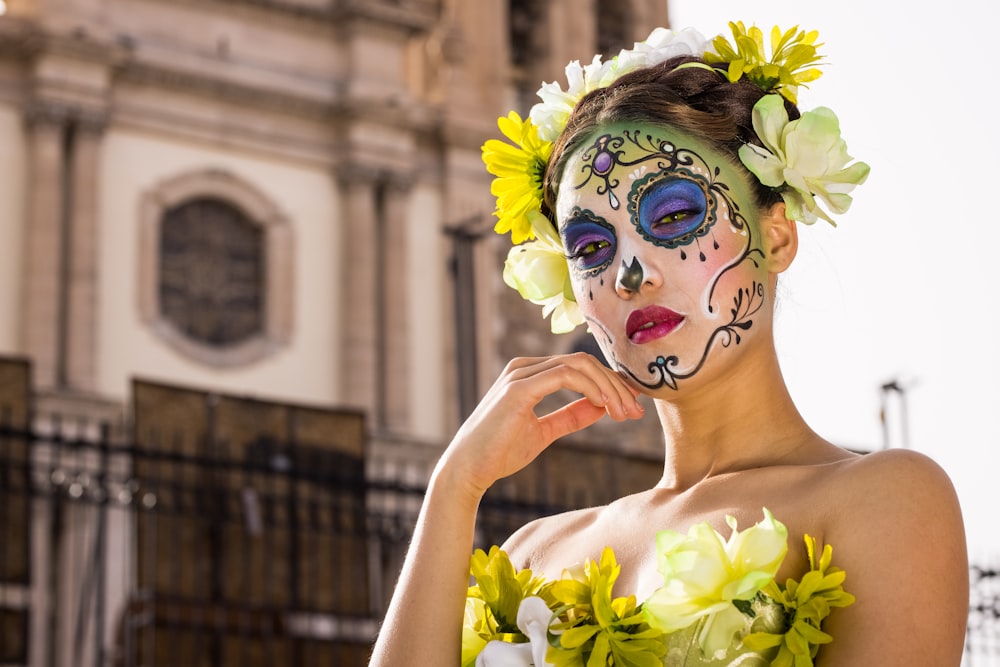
(505, 654)
(550, 115)
(808, 155)
(533, 617)
(539, 272)
(663, 44)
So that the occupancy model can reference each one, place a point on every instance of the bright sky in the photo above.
(900, 290)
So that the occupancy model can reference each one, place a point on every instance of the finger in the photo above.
(615, 395)
(571, 418)
(520, 363)
(583, 375)
(627, 394)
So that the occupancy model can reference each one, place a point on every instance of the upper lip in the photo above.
(648, 317)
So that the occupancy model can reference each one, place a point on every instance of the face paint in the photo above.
(589, 242)
(630, 276)
(689, 280)
(670, 211)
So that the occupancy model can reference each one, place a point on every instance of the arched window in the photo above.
(216, 269)
(211, 279)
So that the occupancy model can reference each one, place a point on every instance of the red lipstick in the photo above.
(651, 323)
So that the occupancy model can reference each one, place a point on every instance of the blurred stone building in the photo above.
(280, 204)
(282, 198)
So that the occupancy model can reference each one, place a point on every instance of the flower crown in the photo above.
(805, 160)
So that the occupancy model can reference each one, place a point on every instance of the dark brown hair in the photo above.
(696, 100)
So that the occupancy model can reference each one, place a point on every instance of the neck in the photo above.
(741, 421)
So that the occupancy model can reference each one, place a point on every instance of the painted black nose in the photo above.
(630, 276)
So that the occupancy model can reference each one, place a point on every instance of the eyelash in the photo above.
(591, 256)
(676, 216)
(581, 253)
(589, 242)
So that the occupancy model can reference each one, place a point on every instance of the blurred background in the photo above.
(249, 288)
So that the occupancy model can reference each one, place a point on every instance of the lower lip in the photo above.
(655, 332)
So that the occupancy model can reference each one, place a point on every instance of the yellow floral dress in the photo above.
(719, 605)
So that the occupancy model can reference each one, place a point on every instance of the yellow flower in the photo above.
(594, 629)
(703, 575)
(806, 604)
(518, 170)
(792, 52)
(478, 627)
(492, 604)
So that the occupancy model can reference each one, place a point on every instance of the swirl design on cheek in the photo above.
(746, 303)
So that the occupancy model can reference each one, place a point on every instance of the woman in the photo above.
(672, 180)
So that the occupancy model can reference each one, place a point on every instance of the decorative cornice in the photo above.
(241, 94)
(59, 113)
(415, 15)
(27, 39)
(17, 36)
(408, 114)
(350, 173)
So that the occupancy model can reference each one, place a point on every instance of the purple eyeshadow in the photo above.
(668, 198)
(589, 242)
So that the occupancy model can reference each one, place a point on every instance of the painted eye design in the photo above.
(589, 241)
(672, 212)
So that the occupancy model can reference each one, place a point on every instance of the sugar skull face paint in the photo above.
(661, 235)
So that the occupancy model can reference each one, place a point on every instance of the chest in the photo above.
(630, 527)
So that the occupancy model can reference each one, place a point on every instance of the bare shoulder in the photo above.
(893, 469)
(541, 540)
(871, 492)
(895, 523)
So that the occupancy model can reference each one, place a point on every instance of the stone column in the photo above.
(81, 306)
(395, 364)
(357, 256)
(42, 321)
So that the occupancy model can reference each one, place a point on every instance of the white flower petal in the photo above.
(717, 634)
(810, 155)
(505, 654)
(533, 617)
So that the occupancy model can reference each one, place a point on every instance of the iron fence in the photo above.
(114, 554)
(119, 555)
(982, 648)
(123, 555)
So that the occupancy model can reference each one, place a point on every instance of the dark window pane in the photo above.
(211, 278)
(612, 28)
(525, 16)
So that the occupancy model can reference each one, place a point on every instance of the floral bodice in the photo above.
(719, 605)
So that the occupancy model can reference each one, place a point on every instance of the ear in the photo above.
(780, 237)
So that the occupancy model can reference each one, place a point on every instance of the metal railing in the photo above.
(112, 554)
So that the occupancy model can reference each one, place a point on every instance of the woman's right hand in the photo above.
(503, 434)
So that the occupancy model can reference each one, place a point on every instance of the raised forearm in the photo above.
(423, 625)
